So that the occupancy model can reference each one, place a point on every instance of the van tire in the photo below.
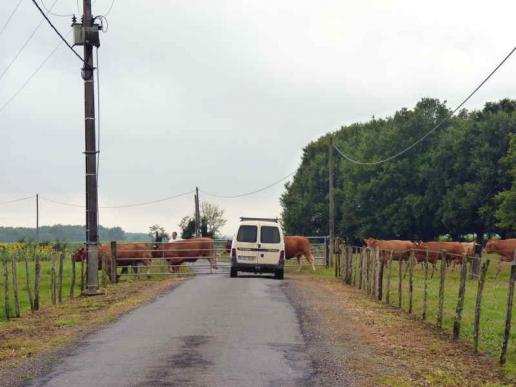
(278, 274)
(233, 272)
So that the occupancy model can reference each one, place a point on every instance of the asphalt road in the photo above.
(210, 331)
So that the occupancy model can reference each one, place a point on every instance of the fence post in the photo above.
(400, 282)
(425, 289)
(72, 285)
(441, 291)
(389, 275)
(37, 280)
(6, 288)
(15, 287)
(360, 268)
(460, 300)
(508, 318)
(113, 262)
(373, 273)
(27, 279)
(327, 252)
(53, 279)
(379, 279)
(354, 267)
(82, 274)
(60, 277)
(411, 281)
(478, 304)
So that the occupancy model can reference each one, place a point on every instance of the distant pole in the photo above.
(197, 214)
(90, 155)
(37, 219)
(331, 223)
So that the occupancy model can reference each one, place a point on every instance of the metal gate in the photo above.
(182, 259)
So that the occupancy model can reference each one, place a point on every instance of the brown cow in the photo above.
(127, 255)
(453, 250)
(189, 250)
(504, 248)
(400, 249)
(297, 246)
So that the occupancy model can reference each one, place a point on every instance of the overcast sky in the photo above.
(225, 94)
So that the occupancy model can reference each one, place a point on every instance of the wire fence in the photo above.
(438, 287)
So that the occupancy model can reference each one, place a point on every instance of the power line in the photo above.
(249, 193)
(140, 204)
(29, 79)
(59, 34)
(25, 44)
(435, 127)
(17, 200)
(10, 17)
(49, 11)
(110, 8)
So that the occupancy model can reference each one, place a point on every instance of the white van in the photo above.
(258, 247)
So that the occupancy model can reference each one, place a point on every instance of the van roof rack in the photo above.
(244, 218)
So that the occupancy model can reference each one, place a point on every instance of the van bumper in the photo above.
(256, 268)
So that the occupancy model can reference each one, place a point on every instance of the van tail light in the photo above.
(282, 255)
(233, 253)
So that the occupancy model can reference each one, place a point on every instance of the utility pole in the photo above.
(89, 37)
(37, 219)
(197, 214)
(331, 221)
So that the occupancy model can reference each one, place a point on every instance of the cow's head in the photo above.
(490, 246)
(79, 255)
(371, 243)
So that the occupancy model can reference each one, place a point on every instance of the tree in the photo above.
(158, 234)
(506, 212)
(212, 220)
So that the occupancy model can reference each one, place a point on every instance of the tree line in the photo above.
(460, 180)
(67, 233)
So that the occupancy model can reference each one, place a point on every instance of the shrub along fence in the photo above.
(478, 307)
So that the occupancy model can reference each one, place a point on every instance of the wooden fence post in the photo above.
(372, 276)
(425, 289)
(478, 304)
(15, 287)
(400, 282)
(37, 280)
(440, 306)
(379, 278)
(60, 277)
(507, 333)
(389, 275)
(72, 285)
(354, 267)
(6, 289)
(361, 268)
(53, 279)
(113, 262)
(327, 252)
(82, 274)
(411, 281)
(27, 279)
(460, 300)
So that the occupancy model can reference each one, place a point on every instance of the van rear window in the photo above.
(247, 234)
(270, 234)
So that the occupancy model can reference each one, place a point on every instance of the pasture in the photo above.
(493, 306)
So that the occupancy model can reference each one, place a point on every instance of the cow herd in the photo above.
(454, 251)
(134, 255)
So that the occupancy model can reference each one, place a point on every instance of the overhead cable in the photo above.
(10, 17)
(49, 11)
(60, 35)
(349, 158)
(249, 193)
(25, 44)
(17, 200)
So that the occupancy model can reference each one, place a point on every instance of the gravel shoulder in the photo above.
(354, 340)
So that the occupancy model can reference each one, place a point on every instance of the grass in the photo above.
(493, 309)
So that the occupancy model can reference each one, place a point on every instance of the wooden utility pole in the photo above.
(197, 214)
(90, 153)
(37, 219)
(331, 222)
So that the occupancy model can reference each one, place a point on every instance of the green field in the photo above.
(493, 309)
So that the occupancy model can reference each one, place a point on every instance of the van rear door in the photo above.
(247, 244)
(270, 245)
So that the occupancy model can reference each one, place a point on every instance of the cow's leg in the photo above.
(311, 260)
(148, 264)
(298, 262)
(498, 268)
(123, 271)
(433, 269)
